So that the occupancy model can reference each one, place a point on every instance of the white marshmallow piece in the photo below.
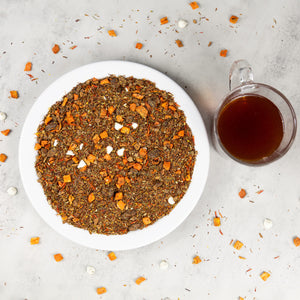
(163, 265)
(268, 223)
(182, 23)
(81, 164)
(81, 146)
(120, 152)
(109, 149)
(70, 152)
(134, 125)
(171, 201)
(118, 126)
(12, 191)
(90, 270)
(55, 143)
(3, 116)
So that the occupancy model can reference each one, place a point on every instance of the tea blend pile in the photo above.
(115, 155)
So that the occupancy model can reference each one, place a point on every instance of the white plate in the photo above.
(34, 190)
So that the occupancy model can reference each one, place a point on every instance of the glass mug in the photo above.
(255, 124)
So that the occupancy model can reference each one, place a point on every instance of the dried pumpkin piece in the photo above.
(242, 193)
(264, 276)
(146, 221)
(104, 81)
(138, 96)
(112, 255)
(164, 20)
(28, 66)
(91, 158)
(139, 280)
(103, 135)
(3, 157)
(179, 43)
(34, 240)
(112, 33)
(121, 205)
(14, 94)
(233, 19)
(132, 106)
(58, 257)
(196, 260)
(55, 49)
(125, 130)
(137, 166)
(91, 197)
(223, 52)
(119, 196)
(142, 111)
(297, 241)
(143, 152)
(167, 165)
(5, 132)
(238, 245)
(67, 178)
(119, 118)
(217, 221)
(139, 46)
(101, 290)
(194, 5)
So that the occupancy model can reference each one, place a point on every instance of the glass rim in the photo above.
(260, 162)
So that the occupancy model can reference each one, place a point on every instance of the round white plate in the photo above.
(27, 156)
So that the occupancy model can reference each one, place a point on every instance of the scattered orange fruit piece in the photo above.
(196, 260)
(223, 52)
(242, 193)
(112, 255)
(55, 49)
(91, 197)
(139, 46)
(5, 132)
(140, 280)
(238, 245)
(111, 33)
(67, 178)
(58, 257)
(28, 66)
(146, 221)
(101, 290)
(297, 241)
(264, 276)
(179, 43)
(14, 94)
(119, 196)
(233, 19)
(3, 157)
(34, 240)
(217, 221)
(121, 205)
(194, 5)
(164, 20)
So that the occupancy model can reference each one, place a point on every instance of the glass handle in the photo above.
(240, 73)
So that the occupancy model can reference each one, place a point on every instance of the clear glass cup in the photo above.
(241, 84)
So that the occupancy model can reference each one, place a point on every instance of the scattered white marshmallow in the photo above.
(171, 201)
(81, 164)
(3, 116)
(163, 265)
(120, 152)
(134, 125)
(55, 143)
(182, 23)
(12, 191)
(118, 126)
(126, 89)
(109, 149)
(70, 152)
(268, 223)
(90, 270)
(80, 146)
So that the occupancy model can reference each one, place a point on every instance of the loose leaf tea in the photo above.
(109, 179)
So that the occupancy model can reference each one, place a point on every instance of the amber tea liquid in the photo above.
(250, 127)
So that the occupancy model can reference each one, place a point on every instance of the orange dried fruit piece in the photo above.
(28, 66)
(91, 197)
(55, 49)
(119, 118)
(143, 152)
(217, 221)
(119, 196)
(238, 245)
(58, 257)
(101, 290)
(3, 157)
(297, 241)
(181, 133)
(196, 260)
(107, 156)
(242, 193)
(96, 138)
(111, 33)
(139, 46)
(37, 146)
(223, 52)
(121, 205)
(111, 109)
(75, 96)
(91, 158)
(179, 43)
(14, 94)
(164, 20)
(125, 130)
(139, 280)
(167, 165)
(34, 240)
(112, 255)
(5, 132)
(48, 119)
(142, 111)
(264, 276)
(104, 81)
(233, 19)
(146, 221)
(137, 166)
(103, 135)
(67, 178)
(194, 5)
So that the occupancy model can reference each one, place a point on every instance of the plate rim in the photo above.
(133, 239)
